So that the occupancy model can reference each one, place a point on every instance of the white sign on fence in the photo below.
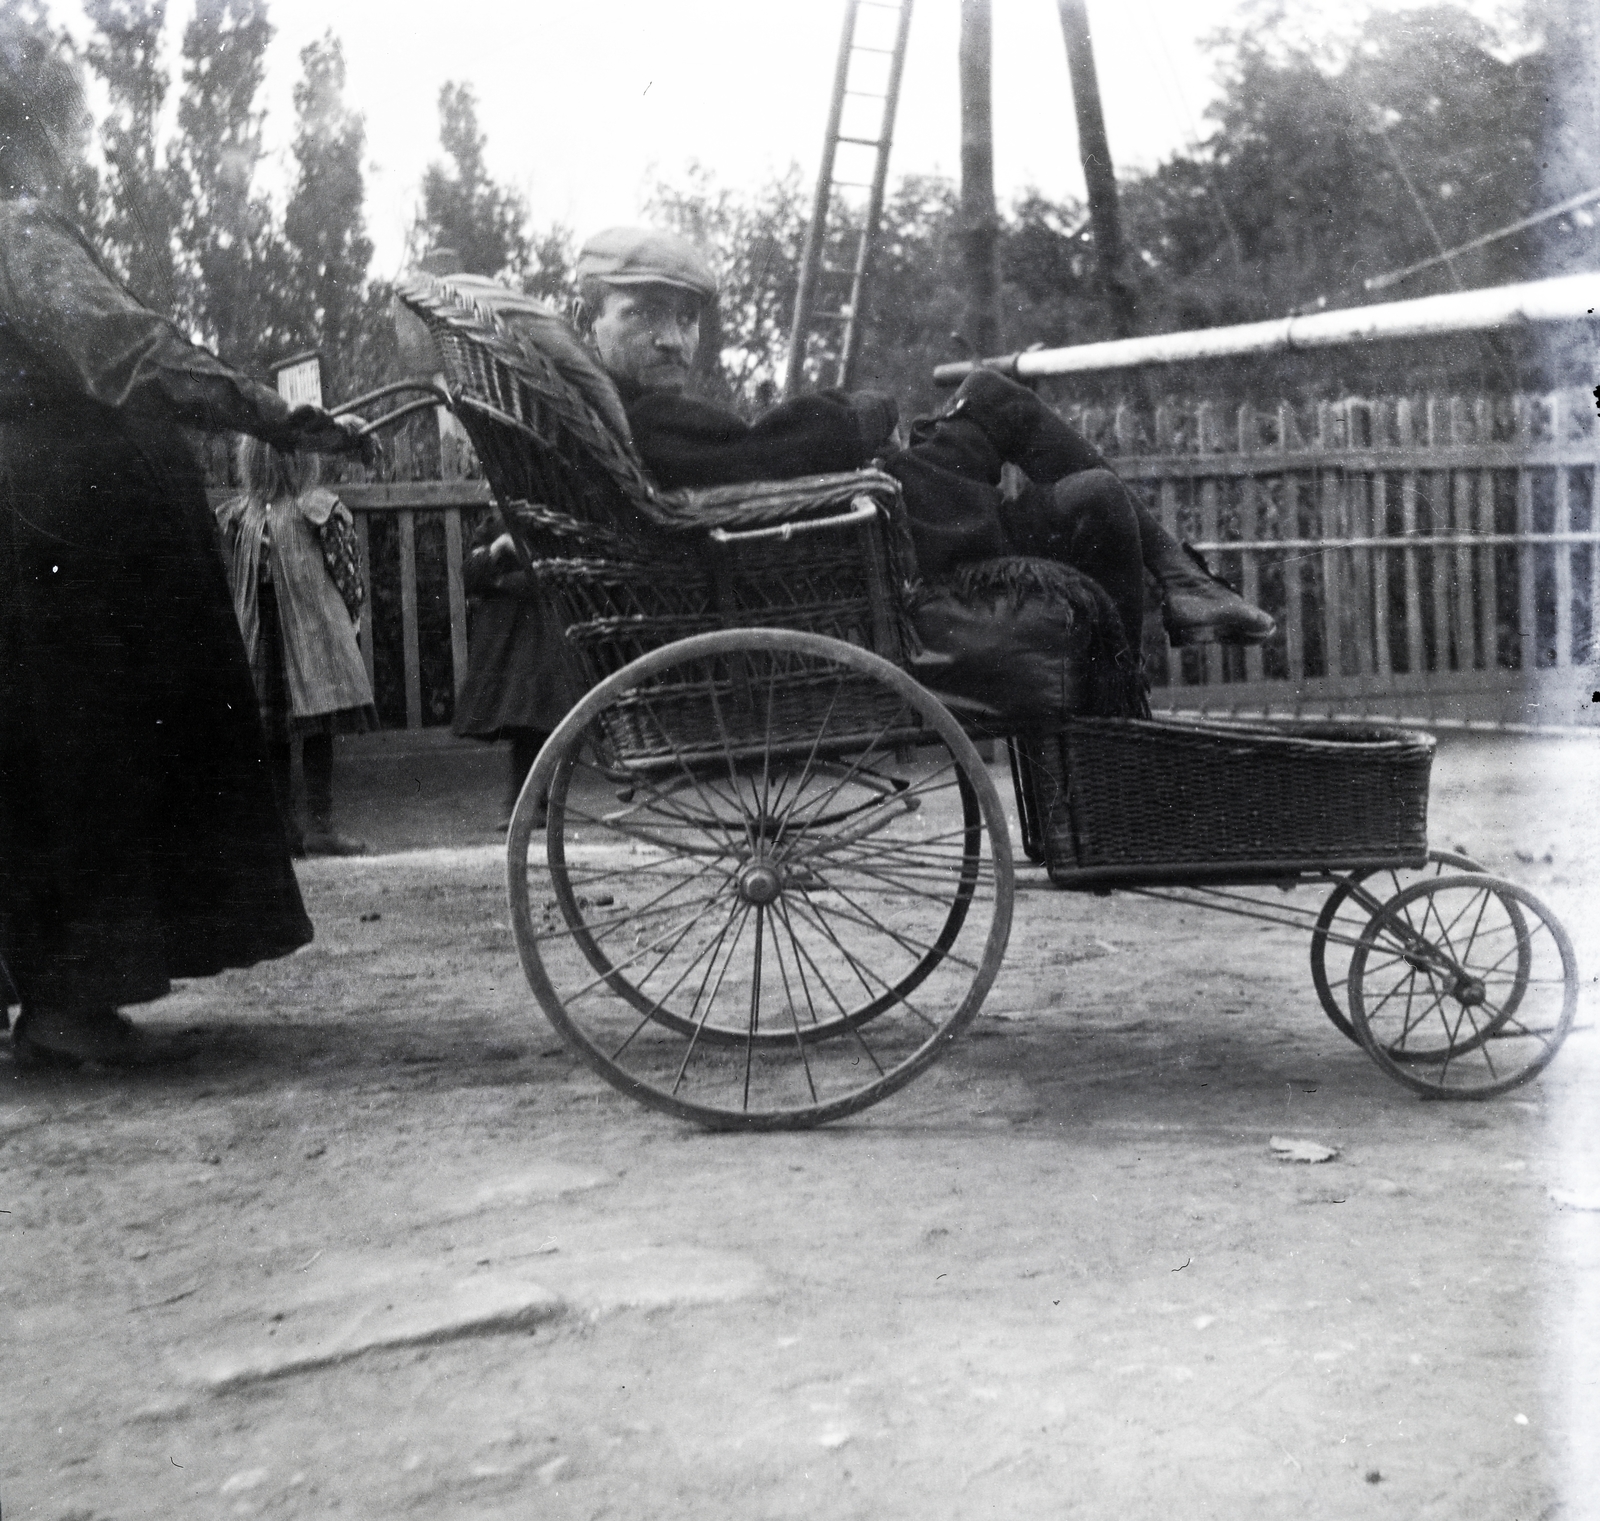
(300, 379)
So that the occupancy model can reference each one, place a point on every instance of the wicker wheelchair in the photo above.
(760, 876)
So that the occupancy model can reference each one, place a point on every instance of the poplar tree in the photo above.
(234, 268)
(137, 207)
(324, 223)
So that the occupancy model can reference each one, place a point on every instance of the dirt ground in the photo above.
(384, 1248)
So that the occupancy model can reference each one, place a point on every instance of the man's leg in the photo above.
(1088, 521)
(1197, 607)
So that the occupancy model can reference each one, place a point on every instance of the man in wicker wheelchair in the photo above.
(642, 297)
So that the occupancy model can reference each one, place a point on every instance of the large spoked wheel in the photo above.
(1346, 914)
(1463, 986)
(742, 908)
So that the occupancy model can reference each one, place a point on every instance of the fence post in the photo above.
(1438, 522)
(1527, 612)
(1294, 641)
(1562, 524)
(1328, 531)
(408, 617)
(1416, 656)
(1250, 531)
(1205, 441)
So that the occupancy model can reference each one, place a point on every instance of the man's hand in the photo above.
(503, 548)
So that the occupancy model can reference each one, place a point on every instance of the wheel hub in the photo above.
(1469, 992)
(760, 881)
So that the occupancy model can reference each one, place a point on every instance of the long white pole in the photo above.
(1562, 299)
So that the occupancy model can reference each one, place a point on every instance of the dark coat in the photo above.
(949, 475)
(139, 840)
(520, 670)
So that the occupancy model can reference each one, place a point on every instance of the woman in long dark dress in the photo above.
(139, 840)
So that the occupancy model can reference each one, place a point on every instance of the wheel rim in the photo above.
(786, 926)
(1346, 914)
(1463, 986)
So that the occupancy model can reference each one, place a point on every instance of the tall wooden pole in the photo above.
(1095, 152)
(980, 227)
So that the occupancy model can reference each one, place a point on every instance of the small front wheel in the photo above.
(1463, 986)
(775, 879)
(1349, 907)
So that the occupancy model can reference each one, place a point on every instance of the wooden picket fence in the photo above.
(1430, 557)
(1434, 558)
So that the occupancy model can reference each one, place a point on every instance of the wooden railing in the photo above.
(1433, 558)
(1430, 557)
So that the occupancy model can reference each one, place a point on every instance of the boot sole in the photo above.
(1188, 638)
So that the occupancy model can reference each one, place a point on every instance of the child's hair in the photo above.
(270, 473)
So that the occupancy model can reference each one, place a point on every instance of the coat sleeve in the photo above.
(86, 336)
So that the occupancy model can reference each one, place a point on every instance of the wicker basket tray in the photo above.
(1119, 802)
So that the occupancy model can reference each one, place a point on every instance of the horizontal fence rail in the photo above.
(1430, 558)
(1426, 557)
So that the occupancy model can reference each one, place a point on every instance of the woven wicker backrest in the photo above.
(541, 415)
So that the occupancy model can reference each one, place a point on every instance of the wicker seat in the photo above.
(634, 567)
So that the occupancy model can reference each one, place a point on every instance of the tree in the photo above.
(137, 218)
(235, 268)
(462, 208)
(323, 223)
(41, 57)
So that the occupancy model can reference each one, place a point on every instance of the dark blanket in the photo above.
(952, 505)
(687, 442)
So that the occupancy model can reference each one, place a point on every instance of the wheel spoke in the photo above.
(700, 1023)
(870, 921)
(851, 1025)
(862, 971)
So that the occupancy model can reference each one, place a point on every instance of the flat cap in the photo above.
(643, 256)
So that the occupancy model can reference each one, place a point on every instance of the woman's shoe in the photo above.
(325, 842)
(61, 1039)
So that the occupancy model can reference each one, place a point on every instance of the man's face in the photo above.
(647, 336)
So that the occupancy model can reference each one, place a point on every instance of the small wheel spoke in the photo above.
(700, 1024)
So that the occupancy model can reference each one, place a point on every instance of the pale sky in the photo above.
(586, 103)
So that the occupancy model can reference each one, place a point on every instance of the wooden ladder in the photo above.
(866, 91)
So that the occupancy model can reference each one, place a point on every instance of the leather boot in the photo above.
(1198, 607)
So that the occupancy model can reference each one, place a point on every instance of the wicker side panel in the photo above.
(833, 581)
(1156, 801)
(730, 706)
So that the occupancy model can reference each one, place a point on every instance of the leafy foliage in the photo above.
(137, 210)
(323, 224)
(462, 208)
